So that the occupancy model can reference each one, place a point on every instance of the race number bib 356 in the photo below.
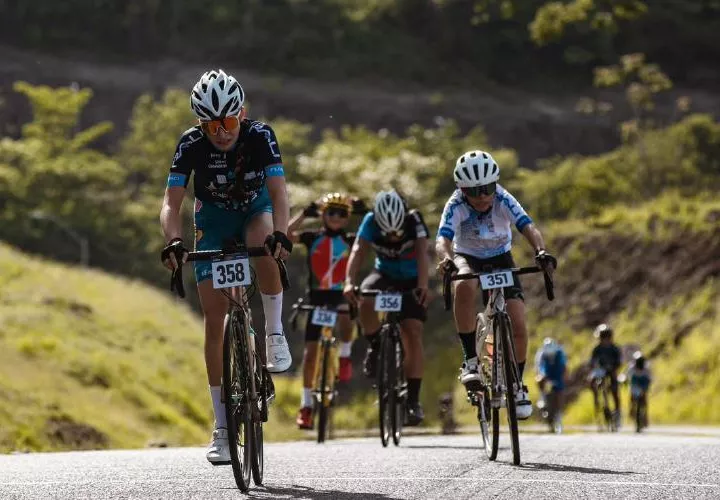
(232, 270)
(388, 302)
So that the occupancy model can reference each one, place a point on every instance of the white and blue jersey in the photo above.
(396, 259)
(482, 235)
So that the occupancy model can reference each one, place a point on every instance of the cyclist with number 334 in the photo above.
(476, 234)
(399, 238)
(240, 193)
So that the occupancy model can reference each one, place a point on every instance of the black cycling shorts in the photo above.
(329, 298)
(470, 264)
(411, 308)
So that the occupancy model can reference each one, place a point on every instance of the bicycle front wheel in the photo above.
(324, 390)
(236, 389)
(512, 383)
(385, 384)
(399, 388)
(258, 452)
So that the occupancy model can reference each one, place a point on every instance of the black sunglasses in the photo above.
(340, 212)
(475, 191)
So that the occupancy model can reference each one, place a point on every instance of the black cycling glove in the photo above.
(544, 259)
(174, 246)
(311, 210)
(278, 237)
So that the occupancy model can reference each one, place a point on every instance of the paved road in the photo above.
(570, 466)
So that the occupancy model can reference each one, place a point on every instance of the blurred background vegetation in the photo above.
(93, 360)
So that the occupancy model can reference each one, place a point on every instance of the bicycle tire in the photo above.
(511, 381)
(324, 404)
(384, 385)
(258, 451)
(237, 399)
(399, 388)
(640, 414)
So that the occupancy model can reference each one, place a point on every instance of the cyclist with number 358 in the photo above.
(240, 194)
(399, 237)
(475, 235)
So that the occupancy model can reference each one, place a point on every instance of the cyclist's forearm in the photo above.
(170, 218)
(281, 207)
(423, 261)
(354, 262)
(443, 248)
(532, 234)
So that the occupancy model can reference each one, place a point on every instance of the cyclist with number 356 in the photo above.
(240, 193)
(475, 235)
(399, 237)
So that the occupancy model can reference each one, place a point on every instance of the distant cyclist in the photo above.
(551, 367)
(399, 238)
(605, 361)
(640, 378)
(475, 232)
(239, 193)
(328, 251)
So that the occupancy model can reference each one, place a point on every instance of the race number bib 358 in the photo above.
(232, 270)
(388, 302)
(498, 279)
(323, 317)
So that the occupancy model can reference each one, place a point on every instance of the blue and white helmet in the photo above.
(216, 95)
(475, 168)
(389, 211)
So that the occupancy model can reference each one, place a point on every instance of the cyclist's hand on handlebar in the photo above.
(422, 294)
(447, 266)
(546, 261)
(278, 245)
(350, 295)
(173, 253)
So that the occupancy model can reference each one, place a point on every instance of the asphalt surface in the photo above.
(582, 465)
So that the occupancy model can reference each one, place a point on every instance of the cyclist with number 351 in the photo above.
(240, 193)
(399, 238)
(476, 234)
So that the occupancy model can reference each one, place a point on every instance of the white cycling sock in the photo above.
(272, 307)
(306, 401)
(218, 407)
(345, 349)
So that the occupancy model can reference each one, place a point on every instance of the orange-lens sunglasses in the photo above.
(228, 124)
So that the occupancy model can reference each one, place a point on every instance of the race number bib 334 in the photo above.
(388, 302)
(232, 270)
(323, 317)
(498, 279)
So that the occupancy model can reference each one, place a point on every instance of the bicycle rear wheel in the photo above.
(236, 389)
(386, 382)
(258, 452)
(512, 383)
(325, 390)
(399, 388)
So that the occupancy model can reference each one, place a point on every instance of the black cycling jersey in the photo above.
(255, 156)
(608, 357)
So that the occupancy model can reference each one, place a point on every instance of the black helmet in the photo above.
(639, 360)
(603, 331)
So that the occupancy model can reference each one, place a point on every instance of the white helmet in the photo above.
(550, 347)
(389, 211)
(476, 168)
(216, 95)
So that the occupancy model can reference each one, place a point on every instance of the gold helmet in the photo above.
(336, 200)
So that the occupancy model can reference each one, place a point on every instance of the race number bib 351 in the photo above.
(498, 279)
(323, 317)
(232, 270)
(388, 302)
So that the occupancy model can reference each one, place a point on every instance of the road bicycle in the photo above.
(247, 388)
(605, 414)
(499, 372)
(327, 364)
(391, 381)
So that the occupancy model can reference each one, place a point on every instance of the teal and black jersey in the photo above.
(233, 179)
